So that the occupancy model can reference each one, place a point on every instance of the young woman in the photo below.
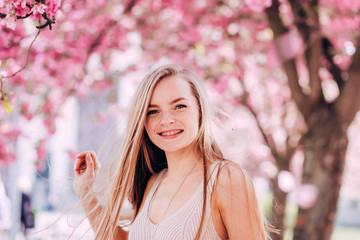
(171, 170)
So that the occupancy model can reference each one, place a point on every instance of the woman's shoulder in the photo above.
(235, 200)
(230, 176)
(149, 186)
(227, 168)
(152, 181)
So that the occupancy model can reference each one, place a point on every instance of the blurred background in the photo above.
(282, 76)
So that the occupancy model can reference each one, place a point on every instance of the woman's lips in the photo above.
(172, 133)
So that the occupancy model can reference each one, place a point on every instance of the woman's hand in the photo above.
(86, 167)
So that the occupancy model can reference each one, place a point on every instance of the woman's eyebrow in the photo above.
(172, 102)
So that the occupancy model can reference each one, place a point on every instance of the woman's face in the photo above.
(172, 121)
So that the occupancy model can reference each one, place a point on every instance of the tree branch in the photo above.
(27, 57)
(334, 70)
(108, 27)
(290, 150)
(2, 92)
(48, 22)
(129, 6)
(348, 103)
(269, 141)
(23, 17)
(289, 65)
(3, 15)
(100, 36)
(300, 18)
(307, 22)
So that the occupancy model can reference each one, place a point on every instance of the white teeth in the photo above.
(170, 133)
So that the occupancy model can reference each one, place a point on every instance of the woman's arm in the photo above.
(236, 201)
(86, 168)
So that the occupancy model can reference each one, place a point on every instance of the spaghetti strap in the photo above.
(155, 185)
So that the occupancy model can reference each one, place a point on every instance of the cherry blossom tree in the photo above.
(294, 65)
(20, 9)
(323, 29)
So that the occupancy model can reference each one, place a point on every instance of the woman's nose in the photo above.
(167, 119)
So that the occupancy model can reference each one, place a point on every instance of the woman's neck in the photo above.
(180, 163)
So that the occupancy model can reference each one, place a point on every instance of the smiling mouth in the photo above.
(170, 133)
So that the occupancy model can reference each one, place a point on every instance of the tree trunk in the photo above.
(324, 148)
(277, 213)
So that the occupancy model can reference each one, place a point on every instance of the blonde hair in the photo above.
(139, 158)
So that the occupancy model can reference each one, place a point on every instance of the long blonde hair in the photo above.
(139, 158)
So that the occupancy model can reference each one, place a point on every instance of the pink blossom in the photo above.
(222, 84)
(286, 181)
(6, 157)
(7, 151)
(344, 5)
(49, 124)
(306, 195)
(7, 5)
(10, 131)
(190, 35)
(25, 111)
(53, 7)
(21, 11)
(339, 24)
(49, 106)
(21, 8)
(289, 45)
(102, 85)
(258, 5)
(268, 168)
(9, 21)
(41, 152)
(19, 3)
(58, 56)
(82, 90)
(3, 73)
(38, 8)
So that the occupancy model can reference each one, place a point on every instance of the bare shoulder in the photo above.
(150, 183)
(232, 184)
(152, 179)
(235, 200)
(232, 175)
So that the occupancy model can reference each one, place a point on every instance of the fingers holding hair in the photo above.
(86, 162)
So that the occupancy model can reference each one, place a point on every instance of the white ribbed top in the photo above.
(183, 224)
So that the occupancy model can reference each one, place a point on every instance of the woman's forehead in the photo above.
(172, 87)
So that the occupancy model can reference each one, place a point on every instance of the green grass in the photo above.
(346, 233)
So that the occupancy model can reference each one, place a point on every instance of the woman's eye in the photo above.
(152, 112)
(180, 106)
